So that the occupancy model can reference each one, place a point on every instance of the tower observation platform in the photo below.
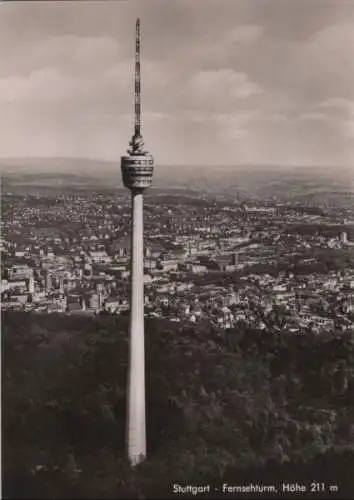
(137, 170)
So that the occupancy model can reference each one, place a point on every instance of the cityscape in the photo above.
(177, 310)
(218, 261)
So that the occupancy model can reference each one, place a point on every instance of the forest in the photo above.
(222, 406)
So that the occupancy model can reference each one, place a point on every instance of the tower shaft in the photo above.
(136, 432)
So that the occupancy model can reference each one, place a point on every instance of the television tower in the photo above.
(137, 169)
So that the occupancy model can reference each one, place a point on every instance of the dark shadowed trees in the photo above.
(220, 404)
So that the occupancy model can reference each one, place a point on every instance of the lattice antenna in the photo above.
(137, 142)
(137, 93)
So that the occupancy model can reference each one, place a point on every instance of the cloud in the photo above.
(277, 117)
(110, 89)
(218, 50)
(76, 54)
(337, 107)
(221, 81)
(323, 64)
(336, 102)
(43, 85)
(342, 110)
(314, 116)
(81, 50)
(220, 88)
(246, 34)
(236, 125)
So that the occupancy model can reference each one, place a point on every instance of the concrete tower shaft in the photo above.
(136, 415)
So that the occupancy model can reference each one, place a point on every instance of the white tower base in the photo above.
(136, 430)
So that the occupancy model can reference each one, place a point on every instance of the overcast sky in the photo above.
(223, 81)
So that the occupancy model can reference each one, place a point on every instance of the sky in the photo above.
(231, 82)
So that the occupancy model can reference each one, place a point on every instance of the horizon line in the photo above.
(177, 164)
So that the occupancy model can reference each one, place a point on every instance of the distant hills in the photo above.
(64, 165)
(248, 181)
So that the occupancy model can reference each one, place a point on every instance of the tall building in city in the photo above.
(137, 170)
(31, 285)
(344, 237)
(48, 282)
(61, 285)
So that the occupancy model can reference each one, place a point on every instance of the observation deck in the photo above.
(137, 166)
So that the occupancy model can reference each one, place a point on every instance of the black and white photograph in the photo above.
(177, 249)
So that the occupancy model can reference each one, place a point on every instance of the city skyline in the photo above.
(264, 82)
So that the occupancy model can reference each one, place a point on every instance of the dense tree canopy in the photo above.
(220, 406)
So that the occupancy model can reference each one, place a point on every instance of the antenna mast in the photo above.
(137, 79)
(137, 143)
